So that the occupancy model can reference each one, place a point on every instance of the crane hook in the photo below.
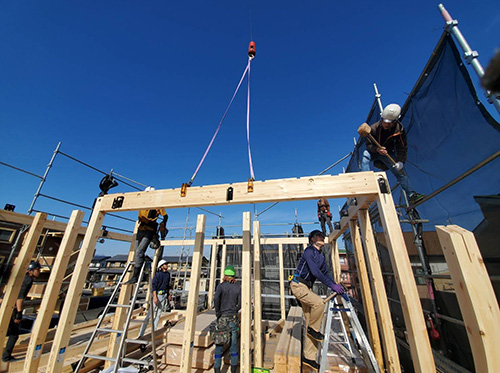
(251, 50)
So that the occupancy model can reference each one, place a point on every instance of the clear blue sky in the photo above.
(139, 87)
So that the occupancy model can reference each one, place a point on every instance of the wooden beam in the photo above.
(123, 298)
(364, 282)
(246, 295)
(257, 297)
(18, 273)
(352, 213)
(475, 294)
(14, 217)
(335, 261)
(384, 314)
(238, 241)
(282, 281)
(420, 348)
(67, 316)
(194, 287)
(51, 295)
(213, 271)
(223, 261)
(353, 184)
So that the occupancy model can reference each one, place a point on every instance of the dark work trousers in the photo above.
(324, 218)
(13, 332)
(143, 240)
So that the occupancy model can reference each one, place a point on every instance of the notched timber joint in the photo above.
(118, 202)
(384, 186)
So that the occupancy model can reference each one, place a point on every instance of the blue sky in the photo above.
(139, 87)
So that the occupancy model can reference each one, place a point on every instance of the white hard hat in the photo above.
(161, 262)
(149, 189)
(391, 113)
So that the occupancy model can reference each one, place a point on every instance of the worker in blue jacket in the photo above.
(312, 266)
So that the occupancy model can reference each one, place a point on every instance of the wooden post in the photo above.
(123, 298)
(192, 306)
(49, 300)
(257, 296)
(377, 281)
(246, 294)
(223, 260)
(335, 261)
(371, 319)
(74, 294)
(213, 270)
(154, 267)
(475, 294)
(18, 272)
(282, 281)
(420, 347)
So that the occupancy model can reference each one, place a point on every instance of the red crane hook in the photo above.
(251, 50)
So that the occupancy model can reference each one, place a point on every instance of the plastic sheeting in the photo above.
(449, 132)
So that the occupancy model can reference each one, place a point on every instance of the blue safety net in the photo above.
(449, 132)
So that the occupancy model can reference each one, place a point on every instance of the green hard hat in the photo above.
(229, 271)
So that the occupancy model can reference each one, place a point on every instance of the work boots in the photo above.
(135, 277)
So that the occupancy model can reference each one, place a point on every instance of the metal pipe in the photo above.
(44, 177)
(377, 96)
(459, 178)
(336, 163)
(469, 55)
(20, 169)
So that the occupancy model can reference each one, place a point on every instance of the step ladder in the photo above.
(120, 358)
(335, 313)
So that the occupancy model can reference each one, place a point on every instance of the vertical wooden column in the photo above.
(475, 294)
(18, 272)
(49, 300)
(223, 261)
(213, 270)
(257, 296)
(420, 347)
(282, 282)
(74, 294)
(194, 287)
(335, 261)
(123, 298)
(246, 293)
(154, 267)
(371, 319)
(384, 314)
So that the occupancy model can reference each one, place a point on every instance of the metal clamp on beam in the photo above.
(184, 189)
(118, 202)
(384, 186)
(250, 185)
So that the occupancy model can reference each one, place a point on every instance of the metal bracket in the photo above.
(118, 202)
(184, 189)
(250, 185)
(469, 56)
(384, 187)
(450, 25)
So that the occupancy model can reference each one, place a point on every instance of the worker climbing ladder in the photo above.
(119, 360)
(334, 312)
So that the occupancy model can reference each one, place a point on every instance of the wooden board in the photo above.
(281, 354)
(202, 358)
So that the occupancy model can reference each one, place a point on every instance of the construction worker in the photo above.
(324, 215)
(391, 135)
(160, 288)
(312, 266)
(147, 231)
(227, 301)
(15, 322)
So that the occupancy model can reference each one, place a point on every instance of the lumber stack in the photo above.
(287, 358)
(203, 346)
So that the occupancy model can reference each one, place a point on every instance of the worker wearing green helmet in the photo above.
(227, 302)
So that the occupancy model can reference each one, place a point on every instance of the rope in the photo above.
(218, 127)
(248, 123)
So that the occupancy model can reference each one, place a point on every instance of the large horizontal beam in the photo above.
(239, 241)
(340, 186)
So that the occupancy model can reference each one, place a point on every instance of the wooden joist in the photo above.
(289, 344)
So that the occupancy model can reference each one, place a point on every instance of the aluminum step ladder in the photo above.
(334, 312)
(120, 358)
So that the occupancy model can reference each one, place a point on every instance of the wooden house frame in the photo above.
(365, 187)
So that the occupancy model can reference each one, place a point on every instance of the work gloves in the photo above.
(337, 288)
(398, 166)
(19, 315)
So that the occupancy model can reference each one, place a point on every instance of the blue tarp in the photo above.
(449, 131)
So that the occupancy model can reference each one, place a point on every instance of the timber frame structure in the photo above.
(480, 314)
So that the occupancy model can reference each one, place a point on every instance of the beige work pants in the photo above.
(313, 308)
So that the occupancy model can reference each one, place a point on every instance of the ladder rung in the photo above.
(108, 330)
(99, 357)
(142, 321)
(120, 305)
(135, 361)
(141, 301)
(138, 341)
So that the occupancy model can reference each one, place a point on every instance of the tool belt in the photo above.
(298, 279)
